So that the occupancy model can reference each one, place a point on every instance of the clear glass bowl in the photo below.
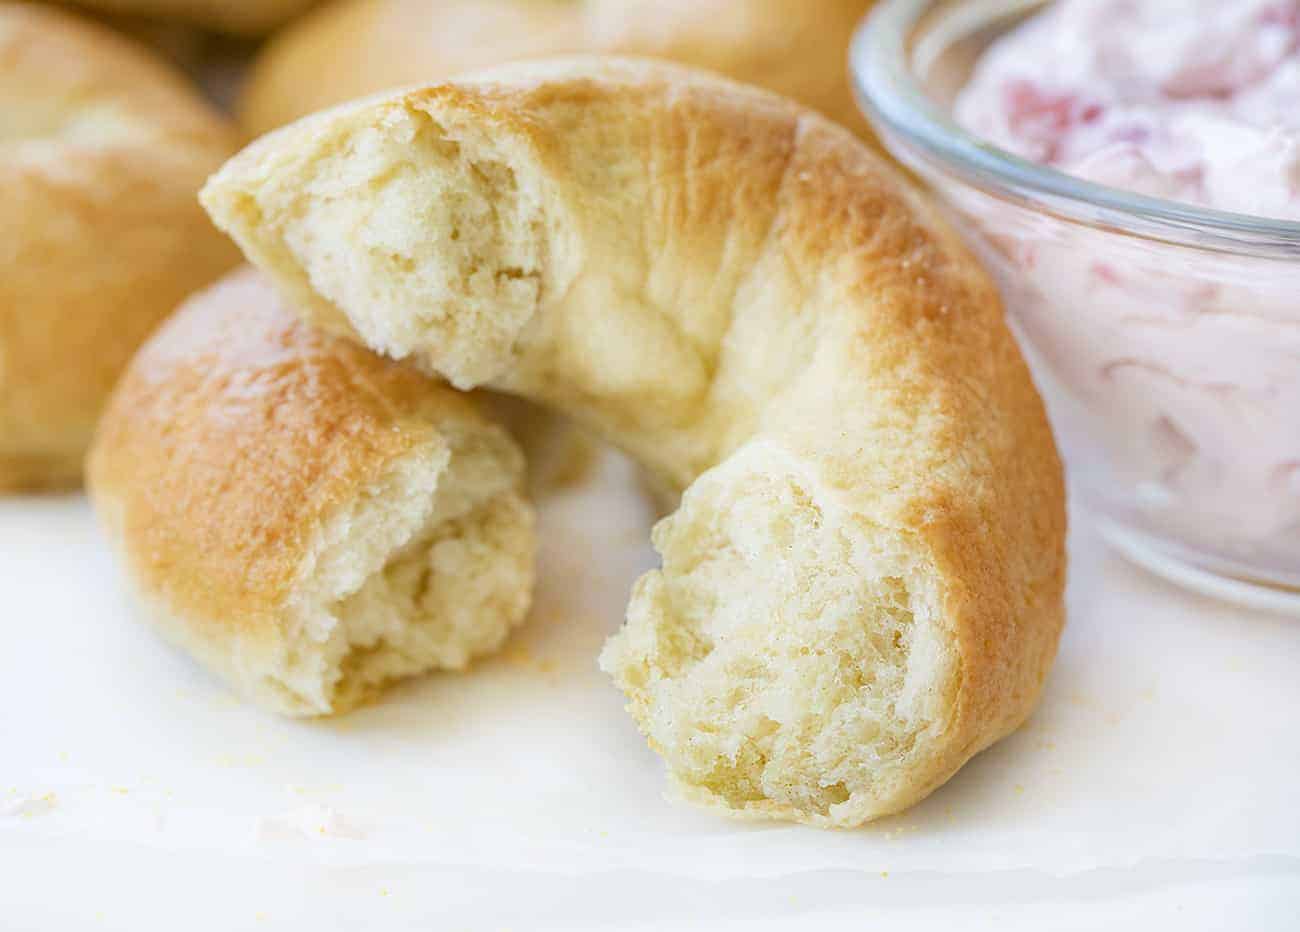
(1165, 337)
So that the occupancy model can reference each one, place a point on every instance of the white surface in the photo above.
(1157, 785)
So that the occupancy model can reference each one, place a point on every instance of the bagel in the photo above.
(351, 48)
(863, 583)
(102, 152)
(310, 521)
(238, 17)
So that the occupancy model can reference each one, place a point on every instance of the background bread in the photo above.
(863, 584)
(351, 48)
(102, 152)
(307, 519)
(241, 17)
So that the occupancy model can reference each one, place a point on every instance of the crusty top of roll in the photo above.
(309, 520)
(306, 421)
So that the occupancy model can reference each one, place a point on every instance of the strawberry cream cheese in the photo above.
(1172, 372)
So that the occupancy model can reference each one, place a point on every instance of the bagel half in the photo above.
(863, 584)
(308, 520)
(351, 48)
(103, 149)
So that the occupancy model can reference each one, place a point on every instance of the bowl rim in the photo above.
(908, 119)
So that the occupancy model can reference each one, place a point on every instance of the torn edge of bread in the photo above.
(309, 520)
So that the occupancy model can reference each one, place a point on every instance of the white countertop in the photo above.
(1158, 785)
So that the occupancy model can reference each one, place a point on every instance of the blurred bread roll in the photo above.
(102, 151)
(350, 48)
(310, 521)
(238, 17)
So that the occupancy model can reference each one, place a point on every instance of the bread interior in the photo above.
(422, 233)
(787, 654)
(428, 570)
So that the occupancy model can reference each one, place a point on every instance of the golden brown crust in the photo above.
(234, 434)
(978, 477)
(351, 48)
(241, 17)
(101, 154)
(309, 520)
(723, 270)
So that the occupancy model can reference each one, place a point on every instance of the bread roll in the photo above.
(102, 153)
(239, 17)
(308, 520)
(862, 585)
(351, 48)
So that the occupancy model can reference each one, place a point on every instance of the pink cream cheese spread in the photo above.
(1173, 373)
(1189, 100)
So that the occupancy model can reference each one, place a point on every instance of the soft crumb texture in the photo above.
(240, 17)
(785, 658)
(102, 152)
(863, 584)
(309, 520)
(351, 48)
(473, 259)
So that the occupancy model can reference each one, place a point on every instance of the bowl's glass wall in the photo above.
(1171, 370)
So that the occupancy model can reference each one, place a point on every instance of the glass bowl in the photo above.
(1164, 337)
